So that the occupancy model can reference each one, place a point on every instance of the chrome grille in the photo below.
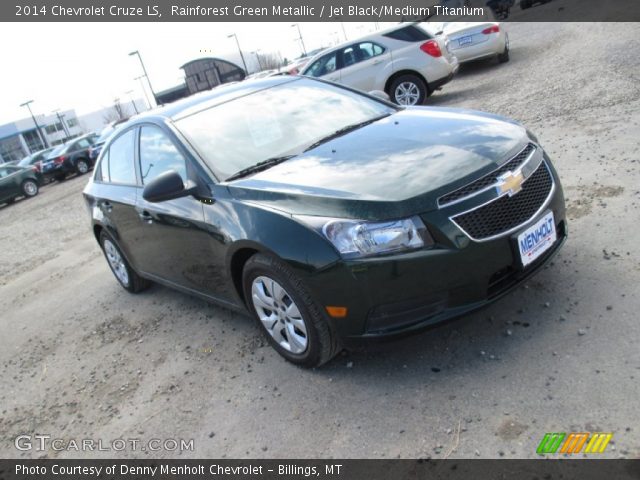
(508, 212)
(488, 180)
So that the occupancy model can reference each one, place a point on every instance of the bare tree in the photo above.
(116, 112)
(269, 61)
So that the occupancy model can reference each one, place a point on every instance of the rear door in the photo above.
(362, 64)
(115, 190)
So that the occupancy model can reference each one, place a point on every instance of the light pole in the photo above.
(136, 52)
(143, 89)
(304, 50)
(258, 58)
(240, 50)
(42, 137)
(61, 120)
(130, 93)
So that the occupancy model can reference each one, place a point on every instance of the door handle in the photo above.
(145, 216)
(377, 62)
(107, 206)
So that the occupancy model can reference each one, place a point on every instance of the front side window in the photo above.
(323, 66)
(277, 121)
(159, 154)
(121, 167)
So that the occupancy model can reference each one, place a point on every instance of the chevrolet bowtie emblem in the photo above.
(510, 183)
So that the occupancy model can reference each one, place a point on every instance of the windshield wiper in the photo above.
(345, 130)
(258, 167)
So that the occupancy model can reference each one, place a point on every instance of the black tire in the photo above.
(135, 282)
(29, 188)
(504, 56)
(322, 343)
(82, 166)
(408, 79)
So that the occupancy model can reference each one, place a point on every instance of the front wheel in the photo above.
(292, 321)
(126, 276)
(408, 90)
(29, 188)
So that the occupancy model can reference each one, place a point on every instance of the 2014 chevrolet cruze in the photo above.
(325, 212)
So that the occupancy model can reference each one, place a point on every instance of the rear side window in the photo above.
(119, 162)
(158, 154)
(409, 33)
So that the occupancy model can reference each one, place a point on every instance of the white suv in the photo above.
(407, 62)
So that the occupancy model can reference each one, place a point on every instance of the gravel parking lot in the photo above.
(83, 359)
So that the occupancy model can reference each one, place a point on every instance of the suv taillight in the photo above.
(431, 48)
(60, 159)
(492, 29)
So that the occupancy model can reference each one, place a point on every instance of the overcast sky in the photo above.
(86, 65)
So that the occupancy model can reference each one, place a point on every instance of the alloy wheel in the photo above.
(116, 262)
(279, 314)
(407, 93)
(30, 188)
(82, 167)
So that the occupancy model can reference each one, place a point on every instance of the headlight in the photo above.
(357, 238)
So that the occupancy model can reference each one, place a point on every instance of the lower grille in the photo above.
(507, 212)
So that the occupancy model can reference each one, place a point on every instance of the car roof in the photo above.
(210, 98)
(369, 36)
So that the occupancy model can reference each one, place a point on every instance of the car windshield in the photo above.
(281, 120)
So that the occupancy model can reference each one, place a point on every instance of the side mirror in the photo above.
(380, 94)
(167, 186)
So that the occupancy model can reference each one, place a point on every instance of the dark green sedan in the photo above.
(18, 182)
(326, 213)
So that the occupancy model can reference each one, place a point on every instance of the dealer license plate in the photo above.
(465, 40)
(537, 239)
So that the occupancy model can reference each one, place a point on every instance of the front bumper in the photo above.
(407, 292)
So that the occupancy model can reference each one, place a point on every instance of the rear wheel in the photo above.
(126, 276)
(30, 188)
(408, 90)
(504, 56)
(292, 321)
(82, 166)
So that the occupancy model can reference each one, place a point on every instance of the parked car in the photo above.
(524, 4)
(96, 148)
(70, 157)
(470, 41)
(327, 213)
(18, 182)
(407, 62)
(35, 160)
(500, 8)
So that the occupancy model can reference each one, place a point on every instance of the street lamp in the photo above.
(240, 50)
(42, 137)
(61, 120)
(136, 52)
(130, 93)
(258, 58)
(304, 50)
(143, 89)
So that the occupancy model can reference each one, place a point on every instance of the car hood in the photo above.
(396, 166)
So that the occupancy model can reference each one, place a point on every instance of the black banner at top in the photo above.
(318, 11)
